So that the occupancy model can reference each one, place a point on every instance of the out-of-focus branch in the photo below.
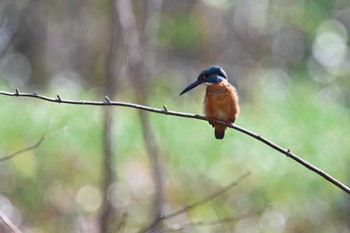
(136, 61)
(121, 226)
(149, 33)
(197, 203)
(151, 28)
(22, 19)
(165, 111)
(181, 227)
(29, 148)
(134, 53)
(109, 142)
(9, 223)
(109, 173)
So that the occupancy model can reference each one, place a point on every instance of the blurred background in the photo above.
(116, 169)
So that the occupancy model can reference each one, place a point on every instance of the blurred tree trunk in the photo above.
(150, 31)
(138, 68)
(108, 215)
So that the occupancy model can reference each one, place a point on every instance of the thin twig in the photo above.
(29, 148)
(286, 152)
(198, 203)
(120, 227)
(181, 227)
(9, 223)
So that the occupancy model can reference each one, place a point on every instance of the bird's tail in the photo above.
(220, 131)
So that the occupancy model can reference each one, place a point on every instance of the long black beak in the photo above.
(191, 86)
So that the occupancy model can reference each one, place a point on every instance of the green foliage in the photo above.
(288, 59)
(48, 179)
(181, 33)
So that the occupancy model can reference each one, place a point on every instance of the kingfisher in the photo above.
(221, 98)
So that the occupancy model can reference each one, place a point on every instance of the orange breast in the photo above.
(221, 102)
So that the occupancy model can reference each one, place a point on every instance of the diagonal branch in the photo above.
(216, 222)
(198, 203)
(29, 148)
(9, 223)
(165, 111)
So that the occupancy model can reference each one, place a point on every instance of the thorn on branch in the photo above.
(165, 108)
(35, 94)
(17, 92)
(107, 99)
(59, 99)
(288, 153)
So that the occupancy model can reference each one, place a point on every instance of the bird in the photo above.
(221, 101)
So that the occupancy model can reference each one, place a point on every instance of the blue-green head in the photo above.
(213, 74)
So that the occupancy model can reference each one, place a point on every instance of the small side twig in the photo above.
(107, 99)
(59, 98)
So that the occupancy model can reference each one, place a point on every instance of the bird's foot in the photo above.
(211, 121)
(230, 122)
